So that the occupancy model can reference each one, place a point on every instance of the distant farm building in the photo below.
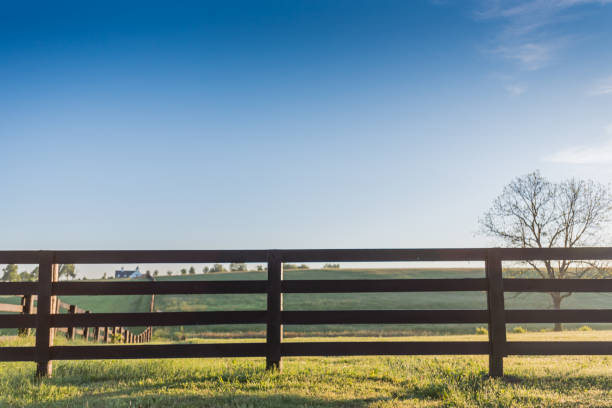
(124, 273)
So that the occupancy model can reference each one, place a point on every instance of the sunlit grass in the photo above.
(428, 381)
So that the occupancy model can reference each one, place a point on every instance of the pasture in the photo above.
(335, 301)
(424, 381)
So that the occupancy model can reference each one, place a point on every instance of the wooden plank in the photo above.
(47, 273)
(19, 321)
(531, 254)
(559, 316)
(28, 309)
(551, 348)
(86, 329)
(382, 255)
(158, 287)
(384, 316)
(18, 288)
(17, 354)
(19, 257)
(497, 324)
(7, 307)
(274, 329)
(558, 285)
(97, 352)
(383, 285)
(171, 256)
(71, 312)
(384, 348)
(22, 332)
(308, 255)
(159, 319)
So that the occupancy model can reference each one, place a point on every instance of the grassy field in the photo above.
(440, 381)
(429, 300)
(100, 304)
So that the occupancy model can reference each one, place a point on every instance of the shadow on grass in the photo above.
(129, 398)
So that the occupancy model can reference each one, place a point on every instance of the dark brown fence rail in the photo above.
(47, 319)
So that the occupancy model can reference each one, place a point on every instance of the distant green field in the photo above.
(372, 301)
(100, 304)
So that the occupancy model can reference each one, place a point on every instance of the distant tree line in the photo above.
(10, 273)
(232, 267)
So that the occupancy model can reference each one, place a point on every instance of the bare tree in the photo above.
(533, 212)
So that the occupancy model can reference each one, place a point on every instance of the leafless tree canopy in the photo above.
(533, 212)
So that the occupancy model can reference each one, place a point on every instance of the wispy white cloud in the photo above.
(515, 89)
(602, 87)
(526, 35)
(530, 56)
(584, 154)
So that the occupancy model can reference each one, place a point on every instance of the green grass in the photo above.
(342, 301)
(373, 301)
(437, 381)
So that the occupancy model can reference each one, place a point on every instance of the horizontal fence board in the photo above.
(158, 287)
(158, 319)
(383, 316)
(10, 308)
(158, 351)
(552, 348)
(17, 321)
(559, 316)
(534, 254)
(381, 255)
(18, 288)
(366, 348)
(558, 285)
(383, 285)
(17, 353)
(20, 257)
(205, 256)
(307, 255)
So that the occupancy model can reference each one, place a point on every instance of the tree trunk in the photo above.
(556, 299)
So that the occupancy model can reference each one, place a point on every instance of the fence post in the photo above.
(274, 330)
(47, 274)
(106, 338)
(497, 314)
(27, 302)
(86, 329)
(70, 331)
(96, 333)
(23, 331)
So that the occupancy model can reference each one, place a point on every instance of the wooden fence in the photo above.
(496, 316)
(105, 334)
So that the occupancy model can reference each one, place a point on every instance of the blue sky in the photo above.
(291, 124)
